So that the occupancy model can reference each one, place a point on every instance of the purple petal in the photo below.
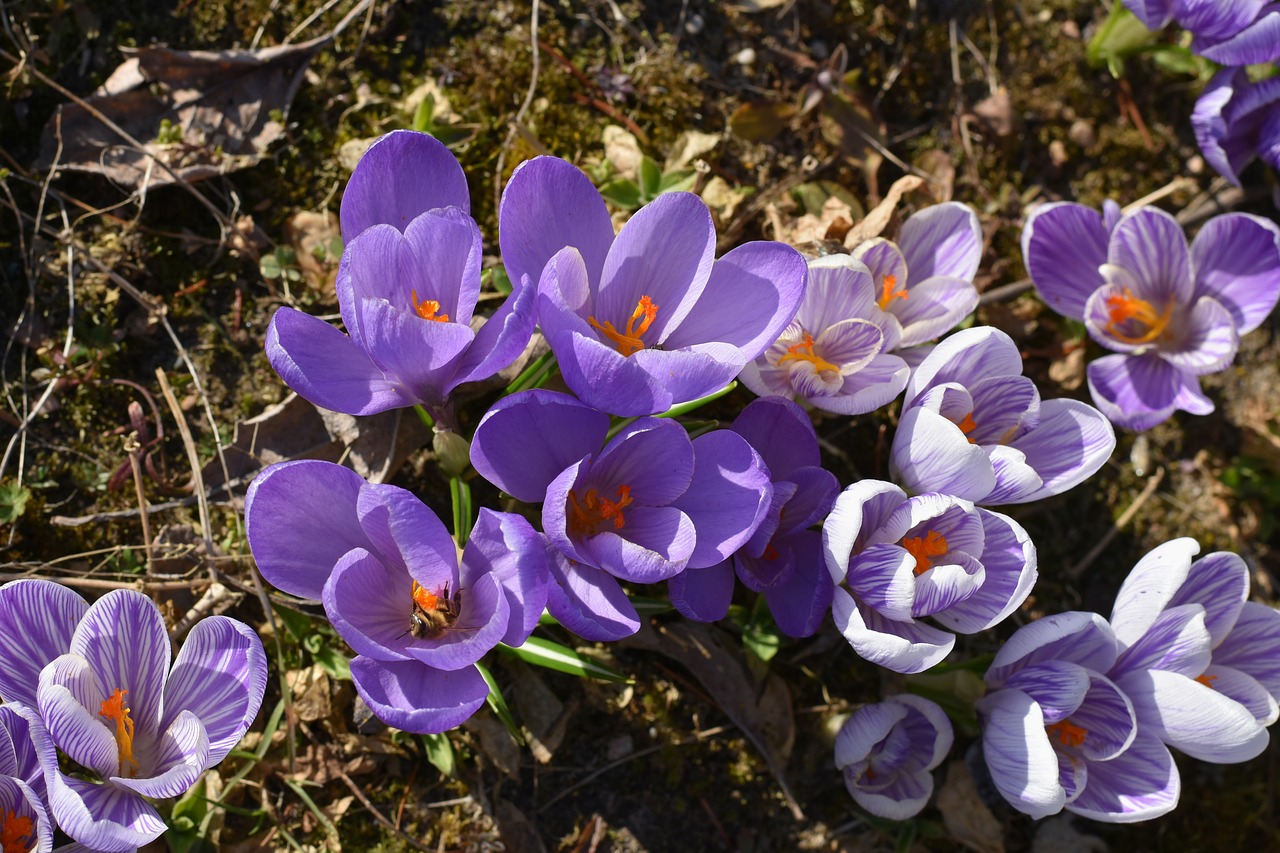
(328, 368)
(1108, 717)
(370, 605)
(1063, 244)
(1018, 754)
(549, 204)
(1209, 340)
(931, 454)
(751, 295)
(1015, 479)
(104, 818)
(816, 490)
(406, 534)
(414, 697)
(1193, 718)
(508, 546)
(19, 800)
(942, 240)
(501, 339)
(883, 578)
(872, 386)
(482, 623)
(1255, 44)
(658, 543)
(693, 372)
(1154, 14)
(68, 691)
(524, 441)
(23, 737)
(1138, 392)
(652, 456)
(1075, 636)
(703, 595)
(1177, 641)
(181, 755)
(588, 601)
(773, 566)
(838, 288)
(1226, 149)
(1251, 645)
(965, 358)
(1150, 587)
(857, 513)
(1072, 441)
(403, 174)
(1237, 261)
(851, 344)
(947, 584)
(1245, 690)
(1009, 558)
(800, 602)
(1219, 582)
(600, 376)
(905, 647)
(933, 307)
(1005, 408)
(727, 498)
(1140, 784)
(1056, 686)
(665, 252)
(781, 433)
(1150, 245)
(300, 518)
(420, 354)
(123, 639)
(220, 675)
(37, 619)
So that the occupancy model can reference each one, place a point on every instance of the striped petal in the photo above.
(37, 619)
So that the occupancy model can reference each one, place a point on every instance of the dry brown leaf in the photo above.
(967, 818)
(622, 150)
(312, 235)
(878, 219)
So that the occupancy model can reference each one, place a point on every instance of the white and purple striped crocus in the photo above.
(887, 751)
(642, 506)
(1057, 733)
(1171, 314)
(923, 282)
(783, 558)
(391, 582)
(113, 704)
(897, 560)
(835, 354)
(1236, 120)
(1198, 659)
(1229, 32)
(25, 824)
(649, 319)
(974, 427)
(407, 285)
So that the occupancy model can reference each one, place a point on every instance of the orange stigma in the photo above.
(968, 425)
(422, 598)
(887, 292)
(15, 832)
(924, 547)
(1067, 733)
(115, 710)
(794, 353)
(629, 342)
(427, 308)
(1127, 308)
(589, 512)
(1207, 680)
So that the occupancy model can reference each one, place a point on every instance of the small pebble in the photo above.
(746, 56)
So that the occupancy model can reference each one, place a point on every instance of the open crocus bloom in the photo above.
(1230, 32)
(1056, 732)
(650, 318)
(974, 427)
(923, 283)
(114, 705)
(834, 354)
(24, 822)
(392, 585)
(887, 750)
(407, 287)
(897, 560)
(1236, 120)
(1198, 659)
(1170, 313)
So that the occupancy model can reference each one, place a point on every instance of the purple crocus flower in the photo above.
(923, 283)
(783, 558)
(1229, 32)
(649, 319)
(641, 506)
(113, 704)
(1058, 733)
(1170, 314)
(407, 288)
(974, 427)
(24, 821)
(887, 750)
(897, 560)
(392, 585)
(1197, 658)
(834, 355)
(1236, 120)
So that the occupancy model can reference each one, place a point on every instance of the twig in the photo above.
(193, 458)
(133, 448)
(1004, 291)
(524, 107)
(1147, 491)
(214, 596)
(1180, 183)
(97, 583)
(379, 816)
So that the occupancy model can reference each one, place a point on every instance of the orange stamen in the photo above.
(887, 293)
(1067, 733)
(1207, 680)
(422, 598)
(589, 512)
(15, 832)
(771, 553)
(924, 547)
(117, 711)
(794, 354)
(1127, 308)
(629, 342)
(427, 308)
(967, 426)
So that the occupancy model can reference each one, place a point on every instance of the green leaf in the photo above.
(650, 179)
(186, 819)
(552, 655)
(334, 662)
(269, 266)
(693, 405)
(761, 638)
(621, 193)
(297, 624)
(13, 501)
(423, 115)
(440, 753)
(497, 278)
(681, 180)
(498, 704)
(1122, 35)
(534, 374)
(460, 494)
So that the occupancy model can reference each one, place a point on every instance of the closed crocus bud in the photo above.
(453, 452)
(887, 750)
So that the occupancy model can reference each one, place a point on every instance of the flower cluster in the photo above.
(96, 683)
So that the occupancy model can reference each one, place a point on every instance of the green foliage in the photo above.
(282, 264)
(451, 134)
(13, 501)
(650, 183)
(552, 655)
(1121, 36)
(440, 753)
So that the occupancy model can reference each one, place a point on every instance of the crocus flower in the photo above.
(834, 355)
(37, 619)
(974, 427)
(649, 319)
(407, 288)
(783, 558)
(1197, 658)
(887, 750)
(1236, 120)
(113, 704)
(923, 283)
(1170, 314)
(1229, 32)
(24, 821)
(390, 579)
(897, 560)
(1058, 733)
(641, 506)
